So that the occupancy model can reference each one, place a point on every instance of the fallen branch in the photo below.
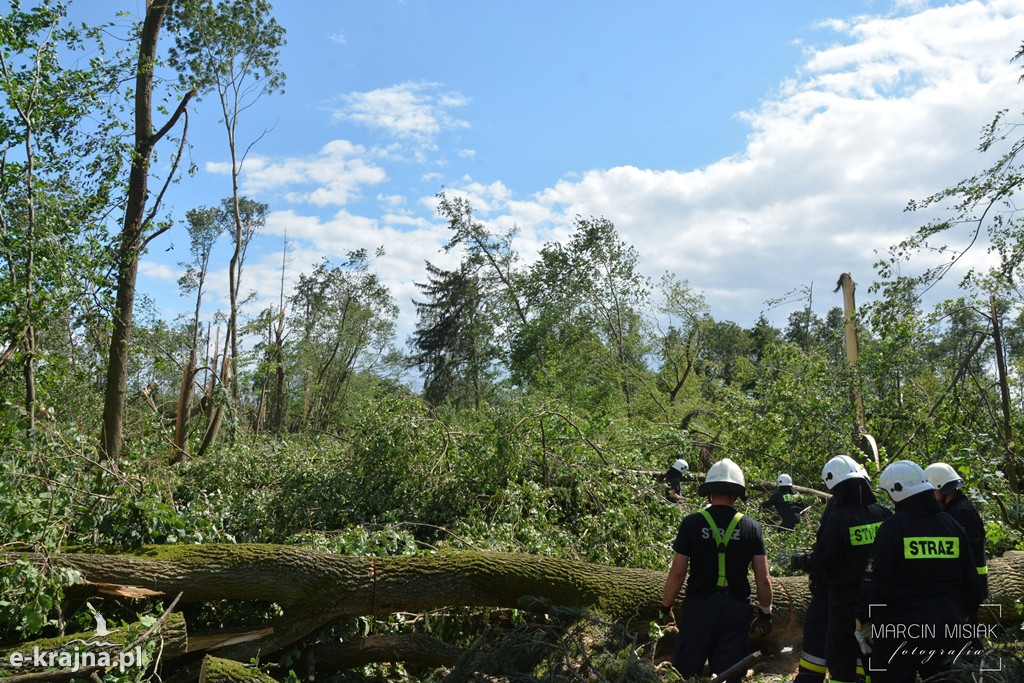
(739, 667)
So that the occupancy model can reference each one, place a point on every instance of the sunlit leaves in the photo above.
(229, 46)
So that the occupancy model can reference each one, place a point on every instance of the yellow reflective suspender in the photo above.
(721, 541)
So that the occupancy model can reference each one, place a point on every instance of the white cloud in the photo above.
(333, 177)
(391, 199)
(159, 271)
(408, 242)
(483, 198)
(829, 166)
(890, 112)
(416, 111)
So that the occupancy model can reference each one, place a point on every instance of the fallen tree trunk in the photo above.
(316, 588)
(358, 586)
(80, 654)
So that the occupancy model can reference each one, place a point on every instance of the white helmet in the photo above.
(943, 477)
(724, 476)
(785, 480)
(840, 468)
(680, 465)
(903, 479)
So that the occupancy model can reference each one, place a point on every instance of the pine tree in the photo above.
(450, 339)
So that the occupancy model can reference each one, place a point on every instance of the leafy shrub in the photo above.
(36, 496)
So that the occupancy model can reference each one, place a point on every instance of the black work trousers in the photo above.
(812, 657)
(841, 648)
(713, 630)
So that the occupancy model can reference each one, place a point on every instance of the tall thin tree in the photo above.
(203, 229)
(137, 228)
(230, 48)
(45, 158)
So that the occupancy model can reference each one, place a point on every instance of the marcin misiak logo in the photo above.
(917, 640)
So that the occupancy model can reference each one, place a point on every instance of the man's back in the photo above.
(696, 540)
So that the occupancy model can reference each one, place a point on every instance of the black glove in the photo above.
(798, 562)
(762, 624)
(665, 617)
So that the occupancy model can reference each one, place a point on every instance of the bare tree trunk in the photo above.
(864, 441)
(133, 231)
(30, 330)
(211, 386)
(234, 278)
(181, 418)
(181, 424)
(315, 589)
(1010, 461)
(217, 414)
(30, 374)
(279, 399)
(26, 111)
(277, 419)
(259, 421)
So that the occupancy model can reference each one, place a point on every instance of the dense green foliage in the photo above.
(535, 409)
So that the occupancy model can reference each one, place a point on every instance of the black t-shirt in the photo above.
(696, 540)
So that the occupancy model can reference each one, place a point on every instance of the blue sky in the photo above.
(751, 148)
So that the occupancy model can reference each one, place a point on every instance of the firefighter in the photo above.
(919, 582)
(717, 546)
(955, 503)
(812, 655)
(674, 477)
(840, 555)
(787, 502)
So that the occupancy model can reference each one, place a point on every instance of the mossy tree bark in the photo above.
(316, 588)
(220, 670)
(45, 655)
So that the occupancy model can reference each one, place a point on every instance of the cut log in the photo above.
(317, 588)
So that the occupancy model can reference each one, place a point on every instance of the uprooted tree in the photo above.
(315, 589)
